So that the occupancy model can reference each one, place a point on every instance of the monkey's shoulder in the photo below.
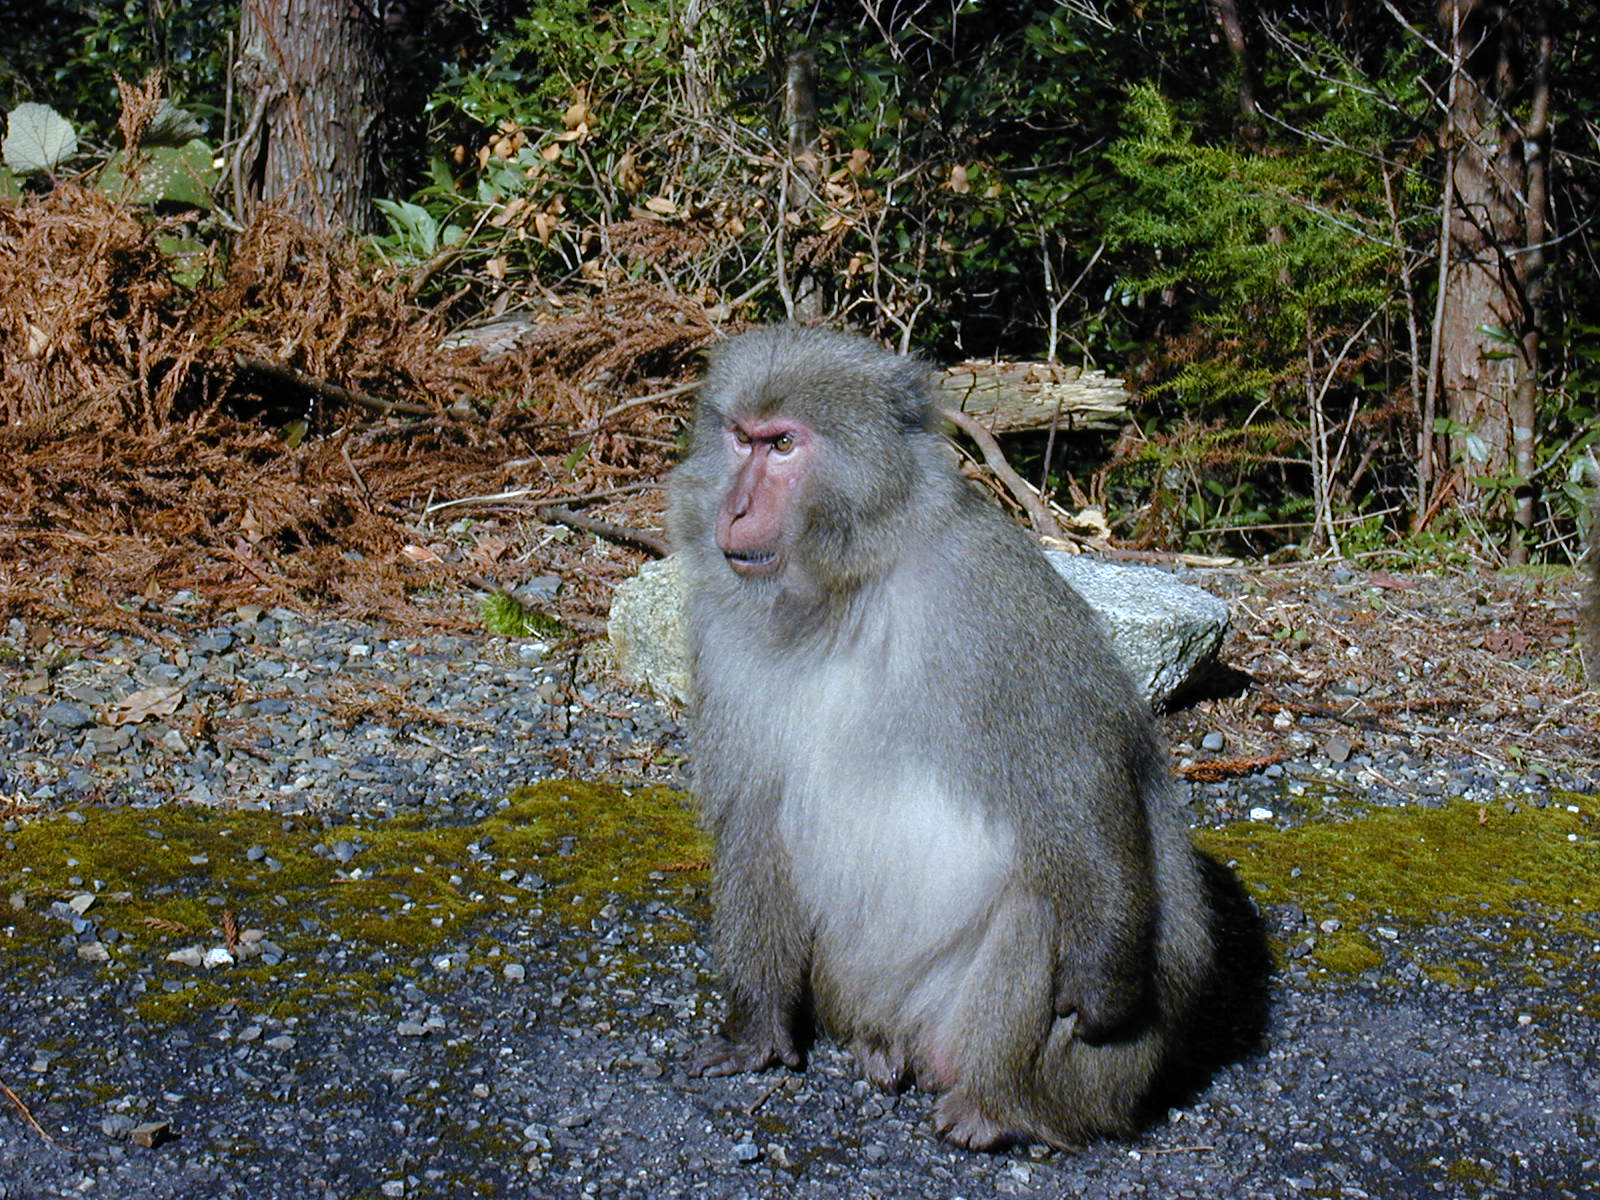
(1020, 619)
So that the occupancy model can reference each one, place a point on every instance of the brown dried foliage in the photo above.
(88, 319)
(141, 453)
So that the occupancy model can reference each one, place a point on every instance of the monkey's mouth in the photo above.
(751, 563)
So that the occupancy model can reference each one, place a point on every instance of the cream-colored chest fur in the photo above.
(897, 867)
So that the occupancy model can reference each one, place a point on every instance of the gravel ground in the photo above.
(531, 1053)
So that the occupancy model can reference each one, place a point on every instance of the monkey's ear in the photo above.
(911, 392)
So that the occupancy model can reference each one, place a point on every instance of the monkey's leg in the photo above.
(1018, 1072)
(982, 1053)
(763, 948)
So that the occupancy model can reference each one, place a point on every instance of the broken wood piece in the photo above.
(1017, 397)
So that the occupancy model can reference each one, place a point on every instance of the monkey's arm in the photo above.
(763, 945)
(1103, 955)
(1096, 867)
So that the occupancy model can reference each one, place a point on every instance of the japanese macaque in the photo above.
(943, 823)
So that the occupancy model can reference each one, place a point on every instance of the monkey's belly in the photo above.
(900, 884)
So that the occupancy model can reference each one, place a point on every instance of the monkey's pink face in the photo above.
(768, 459)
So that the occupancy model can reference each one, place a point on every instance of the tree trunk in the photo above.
(312, 72)
(1232, 29)
(1483, 276)
(699, 72)
(1530, 275)
(802, 175)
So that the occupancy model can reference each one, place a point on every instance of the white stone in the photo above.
(189, 956)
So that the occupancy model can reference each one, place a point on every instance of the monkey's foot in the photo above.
(883, 1068)
(962, 1123)
(720, 1056)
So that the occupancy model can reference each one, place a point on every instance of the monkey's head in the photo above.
(806, 449)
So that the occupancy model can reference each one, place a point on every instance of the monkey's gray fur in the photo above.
(943, 821)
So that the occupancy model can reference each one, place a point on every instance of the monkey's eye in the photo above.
(740, 436)
(783, 443)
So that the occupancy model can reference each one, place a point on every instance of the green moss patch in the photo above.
(174, 877)
(1417, 865)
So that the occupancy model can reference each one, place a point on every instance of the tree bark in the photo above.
(1530, 276)
(312, 72)
(699, 73)
(1232, 28)
(1487, 191)
(802, 177)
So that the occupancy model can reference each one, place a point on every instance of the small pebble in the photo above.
(189, 956)
(151, 1134)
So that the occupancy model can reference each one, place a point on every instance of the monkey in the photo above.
(944, 831)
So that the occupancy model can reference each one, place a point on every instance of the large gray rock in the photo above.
(646, 630)
(1164, 631)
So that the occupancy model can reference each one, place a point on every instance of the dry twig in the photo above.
(605, 529)
(1044, 523)
(28, 1117)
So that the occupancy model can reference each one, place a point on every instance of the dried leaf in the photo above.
(1090, 523)
(661, 206)
(489, 551)
(421, 554)
(1385, 580)
(627, 174)
(509, 213)
(144, 704)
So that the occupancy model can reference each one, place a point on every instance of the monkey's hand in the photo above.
(1101, 998)
(721, 1055)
